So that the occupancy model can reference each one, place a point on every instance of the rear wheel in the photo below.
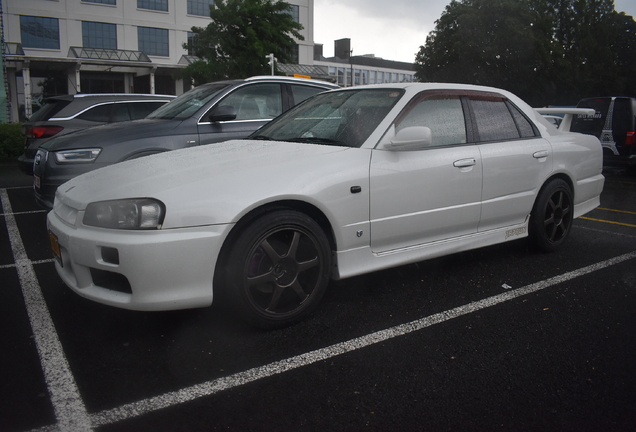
(278, 269)
(552, 215)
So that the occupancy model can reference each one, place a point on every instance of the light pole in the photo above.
(271, 61)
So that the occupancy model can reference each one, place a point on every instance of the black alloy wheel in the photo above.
(552, 215)
(278, 269)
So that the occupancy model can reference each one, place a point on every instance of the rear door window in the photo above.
(493, 120)
(302, 92)
(133, 110)
(100, 113)
(139, 110)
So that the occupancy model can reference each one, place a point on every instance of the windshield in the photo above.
(344, 118)
(188, 103)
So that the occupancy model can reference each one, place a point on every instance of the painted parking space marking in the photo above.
(25, 212)
(46, 261)
(212, 387)
(68, 405)
(604, 231)
(609, 222)
(615, 210)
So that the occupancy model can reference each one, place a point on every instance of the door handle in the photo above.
(540, 154)
(464, 163)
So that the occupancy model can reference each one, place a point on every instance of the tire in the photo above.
(277, 269)
(552, 215)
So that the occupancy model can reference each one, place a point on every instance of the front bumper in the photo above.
(138, 270)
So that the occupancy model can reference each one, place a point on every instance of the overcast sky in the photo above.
(393, 29)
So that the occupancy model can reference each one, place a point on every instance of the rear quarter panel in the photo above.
(580, 157)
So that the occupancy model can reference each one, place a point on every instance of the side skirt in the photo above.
(359, 261)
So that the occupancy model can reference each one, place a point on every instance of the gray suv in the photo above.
(210, 113)
(60, 115)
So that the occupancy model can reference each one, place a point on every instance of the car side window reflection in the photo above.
(444, 116)
(255, 102)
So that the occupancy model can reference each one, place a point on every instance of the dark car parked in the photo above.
(60, 115)
(614, 123)
(210, 113)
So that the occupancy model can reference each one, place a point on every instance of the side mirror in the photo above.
(223, 113)
(411, 138)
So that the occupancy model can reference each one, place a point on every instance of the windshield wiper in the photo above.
(261, 137)
(317, 140)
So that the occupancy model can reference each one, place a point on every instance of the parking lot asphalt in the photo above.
(502, 338)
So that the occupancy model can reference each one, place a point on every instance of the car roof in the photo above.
(71, 105)
(107, 97)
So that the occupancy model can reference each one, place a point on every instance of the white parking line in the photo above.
(26, 212)
(68, 405)
(214, 386)
(32, 262)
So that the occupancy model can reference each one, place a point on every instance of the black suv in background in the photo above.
(614, 123)
(60, 115)
(211, 113)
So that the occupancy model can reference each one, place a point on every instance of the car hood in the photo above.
(214, 184)
(103, 135)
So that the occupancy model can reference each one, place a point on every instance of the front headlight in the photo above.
(77, 155)
(127, 214)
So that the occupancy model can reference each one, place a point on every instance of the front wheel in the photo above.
(278, 269)
(552, 215)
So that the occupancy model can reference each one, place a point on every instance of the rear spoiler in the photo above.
(567, 113)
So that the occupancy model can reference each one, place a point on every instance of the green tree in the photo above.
(242, 33)
(546, 51)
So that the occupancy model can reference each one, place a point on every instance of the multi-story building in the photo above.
(128, 46)
(349, 70)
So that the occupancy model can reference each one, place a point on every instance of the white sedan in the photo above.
(349, 182)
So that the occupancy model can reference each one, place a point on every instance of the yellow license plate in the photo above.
(55, 246)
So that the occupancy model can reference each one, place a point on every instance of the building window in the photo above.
(158, 5)
(99, 35)
(342, 74)
(153, 41)
(293, 55)
(108, 2)
(40, 32)
(200, 7)
(294, 12)
(192, 38)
